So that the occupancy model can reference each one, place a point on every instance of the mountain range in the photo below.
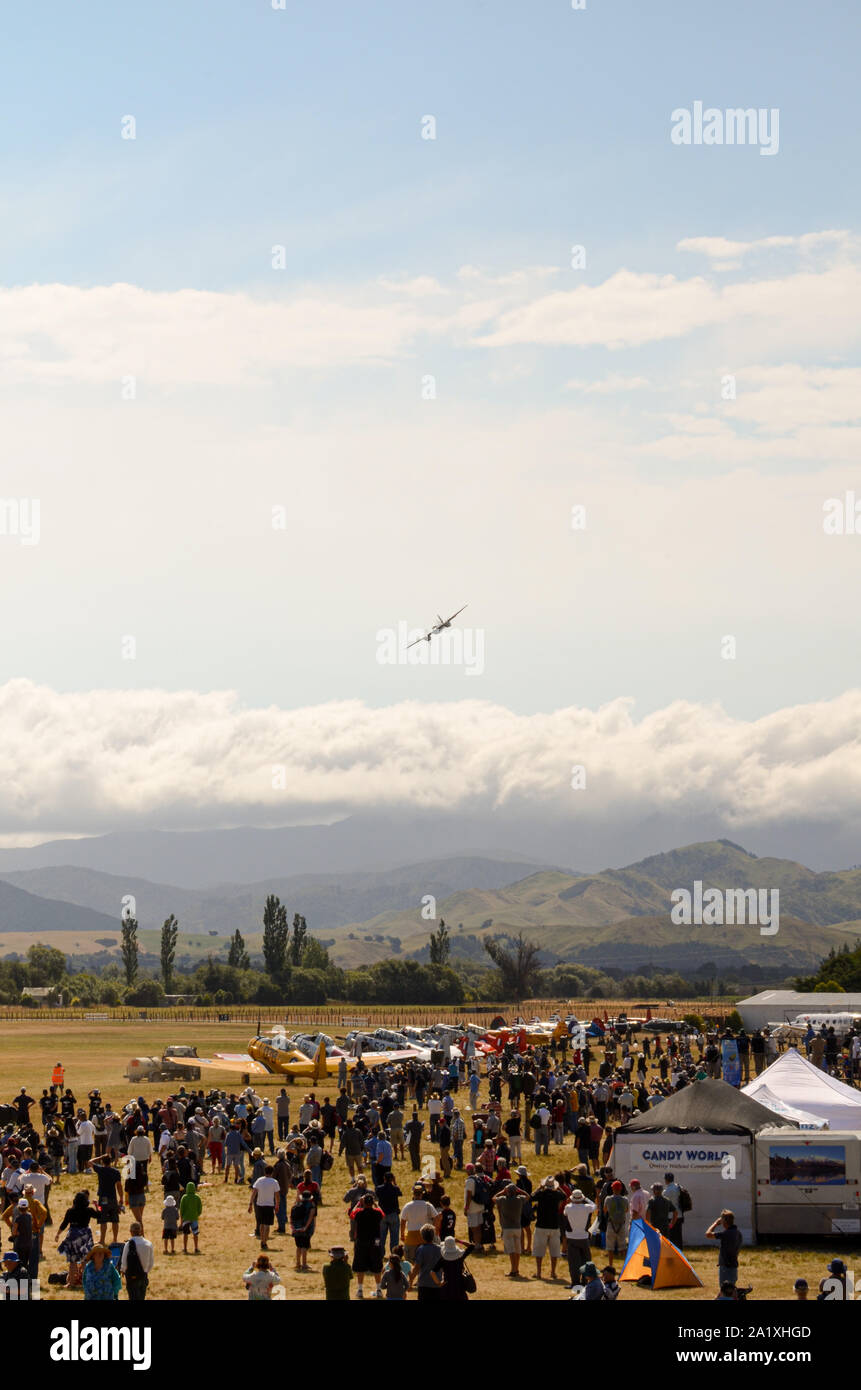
(618, 918)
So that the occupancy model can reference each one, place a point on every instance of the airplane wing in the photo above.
(223, 1061)
(373, 1059)
(416, 642)
(457, 614)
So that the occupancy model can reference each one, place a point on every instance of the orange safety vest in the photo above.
(57, 1076)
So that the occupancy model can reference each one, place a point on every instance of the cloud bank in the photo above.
(106, 760)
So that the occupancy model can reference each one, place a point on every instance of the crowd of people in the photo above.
(560, 1101)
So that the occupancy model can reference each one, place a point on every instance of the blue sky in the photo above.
(256, 126)
(408, 260)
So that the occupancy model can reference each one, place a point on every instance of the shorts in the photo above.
(109, 1212)
(168, 1233)
(397, 1138)
(546, 1242)
(265, 1216)
(367, 1257)
(190, 1228)
(511, 1240)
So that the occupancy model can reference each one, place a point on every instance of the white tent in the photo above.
(797, 1082)
(802, 1118)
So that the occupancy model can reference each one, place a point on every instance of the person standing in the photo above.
(337, 1275)
(136, 1264)
(266, 1197)
(729, 1238)
(413, 1131)
(190, 1207)
(388, 1200)
(367, 1221)
(577, 1216)
(673, 1194)
(282, 1109)
(659, 1212)
(616, 1211)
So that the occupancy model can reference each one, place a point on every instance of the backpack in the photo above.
(616, 1209)
(535, 1122)
(133, 1261)
(482, 1190)
(326, 1161)
(685, 1203)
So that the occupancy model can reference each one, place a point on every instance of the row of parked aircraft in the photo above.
(314, 1056)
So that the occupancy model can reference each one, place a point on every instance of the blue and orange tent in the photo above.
(649, 1253)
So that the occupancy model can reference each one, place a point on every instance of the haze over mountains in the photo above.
(619, 918)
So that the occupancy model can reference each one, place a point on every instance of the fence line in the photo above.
(317, 1017)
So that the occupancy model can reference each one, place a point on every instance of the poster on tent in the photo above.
(806, 1165)
(681, 1155)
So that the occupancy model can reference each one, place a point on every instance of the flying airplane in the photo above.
(438, 627)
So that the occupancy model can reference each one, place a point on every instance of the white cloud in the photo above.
(109, 759)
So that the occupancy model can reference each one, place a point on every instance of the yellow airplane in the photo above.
(265, 1058)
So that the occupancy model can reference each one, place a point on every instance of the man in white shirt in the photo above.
(140, 1151)
(415, 1214)
(578, 1214)
(136, 1278)
(266, 1197)
(269, 1132)
(86, 1139)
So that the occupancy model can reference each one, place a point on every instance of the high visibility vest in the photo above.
(57, 1076)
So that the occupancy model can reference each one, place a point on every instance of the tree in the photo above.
(130, 949)
(169, 933)
(518, 966)
(46, 965)
(297, 941)
(440, 944)
(275, 936)
(237, 955)
(147, 992)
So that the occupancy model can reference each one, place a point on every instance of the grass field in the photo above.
(97, 1055)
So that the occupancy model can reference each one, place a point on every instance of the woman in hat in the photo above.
(102, 1281)
(456, 1278)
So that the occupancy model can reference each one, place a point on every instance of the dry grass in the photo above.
(97, 1054)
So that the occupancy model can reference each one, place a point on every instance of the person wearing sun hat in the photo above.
(337, 1275)
(593, 1287)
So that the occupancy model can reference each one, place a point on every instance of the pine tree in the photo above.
(130, 949)
(237, 955)
(298, 939)
(275, 936)
(440, 944)
(169, 933)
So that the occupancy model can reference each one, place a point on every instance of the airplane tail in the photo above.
(320, 1071)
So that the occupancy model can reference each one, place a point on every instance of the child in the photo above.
(190, 1207)
(448, 1218)
(169, 1222)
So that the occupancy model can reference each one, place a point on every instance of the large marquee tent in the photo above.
(798, 1083)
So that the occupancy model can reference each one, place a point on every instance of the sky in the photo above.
(283, 380)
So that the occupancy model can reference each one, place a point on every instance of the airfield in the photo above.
(96, 1054)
